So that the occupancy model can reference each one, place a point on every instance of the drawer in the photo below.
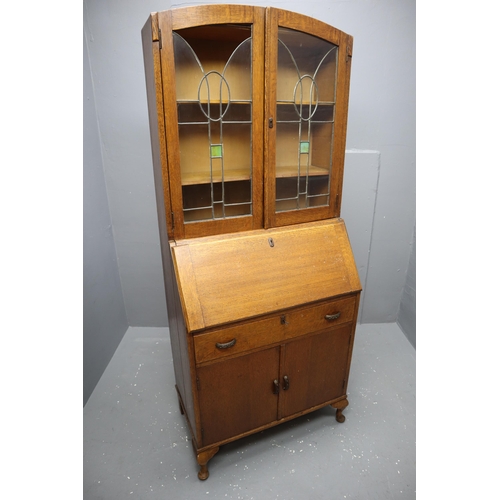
(273, 329)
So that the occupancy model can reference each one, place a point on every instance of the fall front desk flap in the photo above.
(226, 279)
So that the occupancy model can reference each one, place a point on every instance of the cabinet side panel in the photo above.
(175, 326)
(189, 396)
(152, 69)
(182, 351)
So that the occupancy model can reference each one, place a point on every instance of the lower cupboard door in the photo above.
(316, 369)
(237, 395)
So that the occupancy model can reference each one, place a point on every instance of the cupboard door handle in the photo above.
(276, 386)
(286, 383)
(227, 345)
(331, 317)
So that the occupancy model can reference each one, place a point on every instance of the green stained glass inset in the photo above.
(304, 147)
(216, 150)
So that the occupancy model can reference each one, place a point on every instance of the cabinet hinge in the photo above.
(159, 36)
(198, 385)
(173, 219)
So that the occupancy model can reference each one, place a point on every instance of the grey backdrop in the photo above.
(122, 263)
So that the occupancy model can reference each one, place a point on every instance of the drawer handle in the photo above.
(331, 317)
(227, 345)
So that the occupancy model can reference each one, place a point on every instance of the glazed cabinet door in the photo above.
(307, 82)
(315, 370)
(212, 69)
(238, 394)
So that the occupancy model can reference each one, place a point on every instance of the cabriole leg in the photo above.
(203, 459)
(340, 406)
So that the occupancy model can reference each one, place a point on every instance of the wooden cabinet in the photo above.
(248, 113)
(272, 383)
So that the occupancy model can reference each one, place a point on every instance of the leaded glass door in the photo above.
(308, 65)
(214, 99)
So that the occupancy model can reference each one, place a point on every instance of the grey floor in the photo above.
(136, 443)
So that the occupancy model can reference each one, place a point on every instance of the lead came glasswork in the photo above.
(306, 89)
(214, 104)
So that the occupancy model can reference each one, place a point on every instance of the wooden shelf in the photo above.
(242, 174)
(305, 103)
(214, 102)
(230, 175)
(286, 171)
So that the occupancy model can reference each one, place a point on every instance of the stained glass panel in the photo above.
(306, 85)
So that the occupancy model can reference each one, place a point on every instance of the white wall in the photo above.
(379, 192)
(104, 317)
(408, 305)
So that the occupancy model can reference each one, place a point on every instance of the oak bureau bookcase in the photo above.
(248, 115)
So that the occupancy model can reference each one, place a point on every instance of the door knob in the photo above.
(276, 386)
